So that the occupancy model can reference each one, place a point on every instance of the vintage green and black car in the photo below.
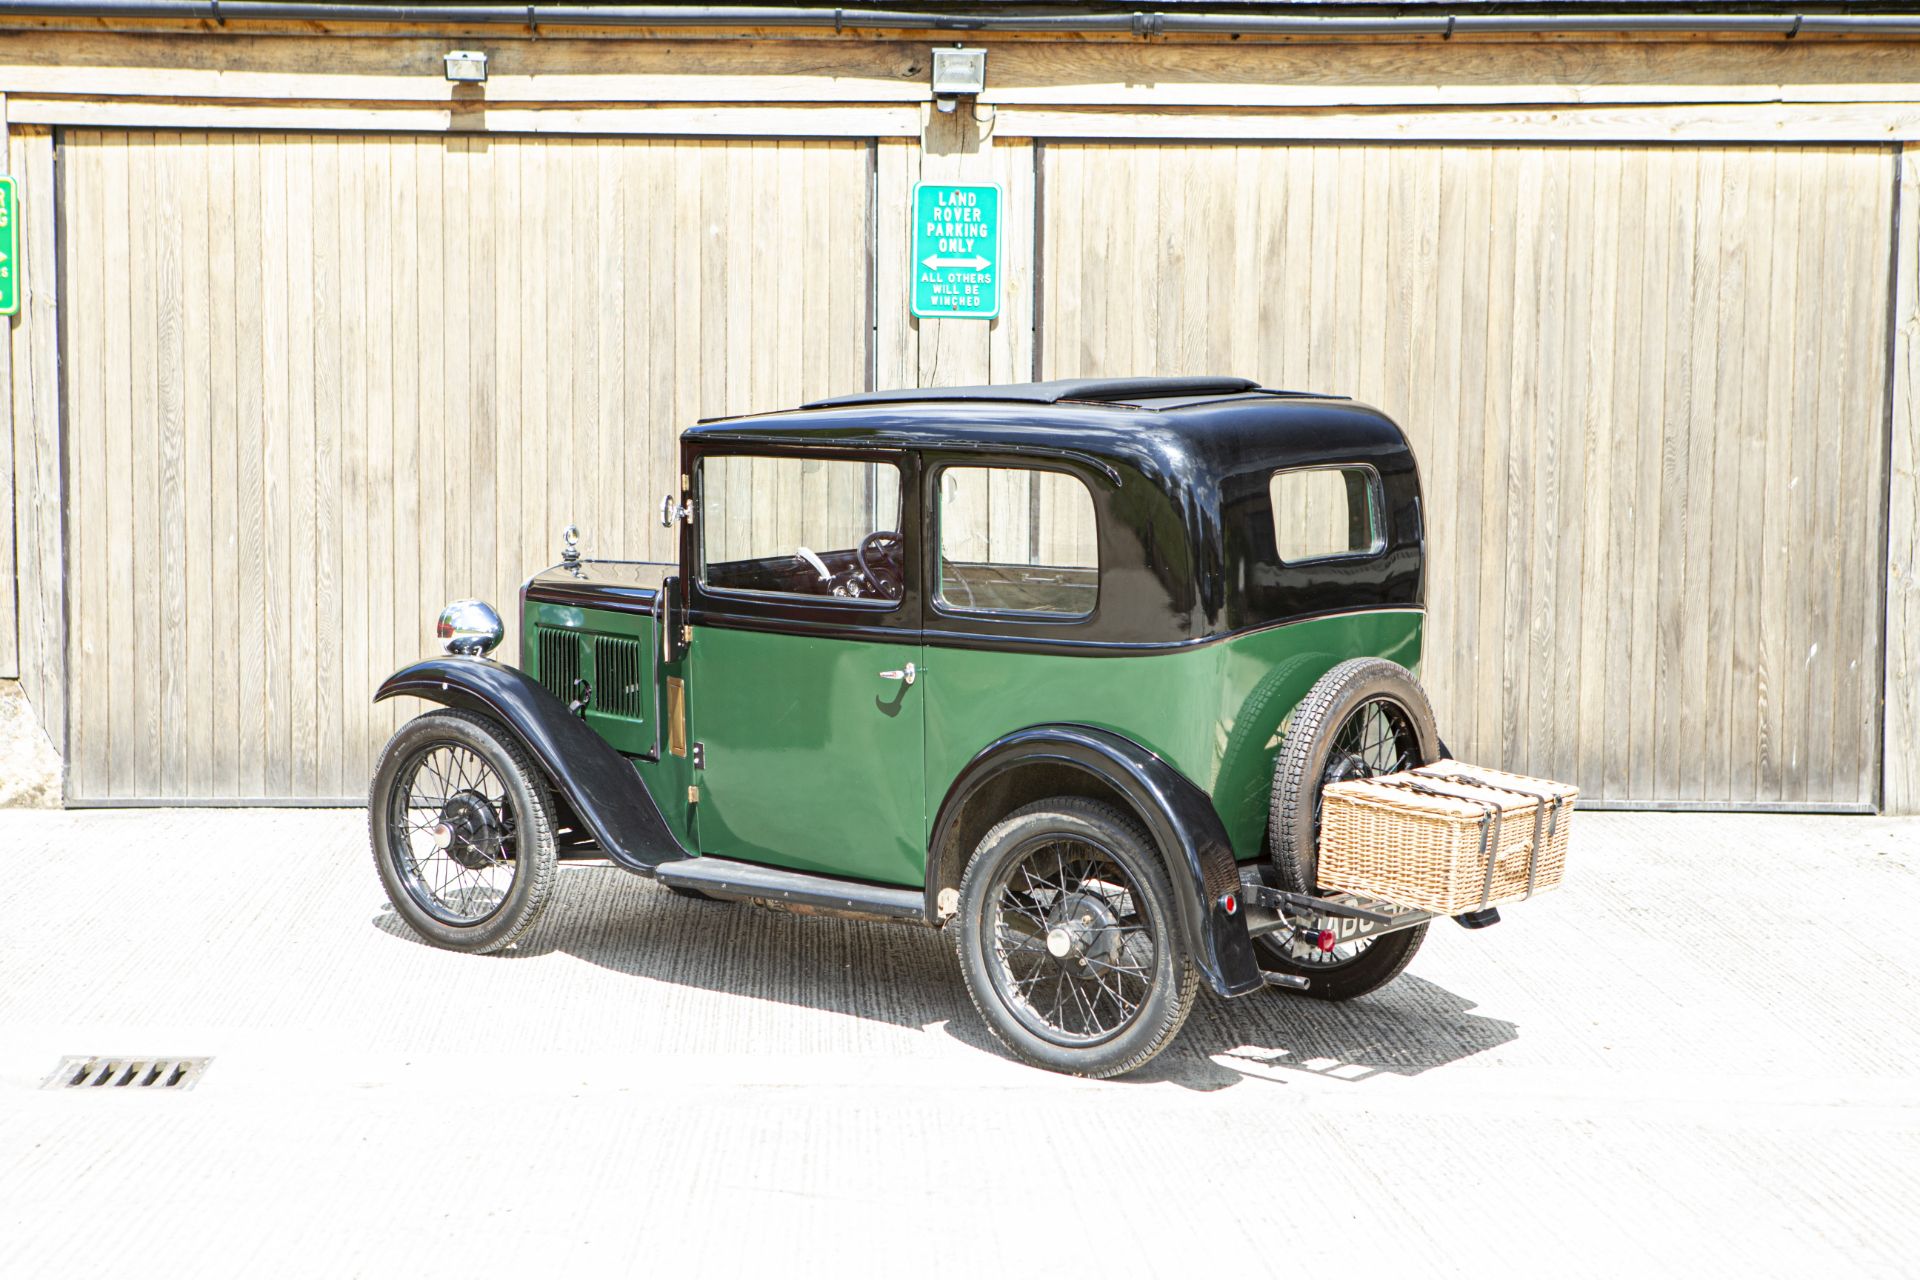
(1059, 667)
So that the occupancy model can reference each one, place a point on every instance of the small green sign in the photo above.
(9, 249)
(956, 251)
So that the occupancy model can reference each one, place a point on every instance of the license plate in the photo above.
(1352, 928)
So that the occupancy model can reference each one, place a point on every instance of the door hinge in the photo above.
(693, 794)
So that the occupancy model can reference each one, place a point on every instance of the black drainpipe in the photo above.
(534, 16)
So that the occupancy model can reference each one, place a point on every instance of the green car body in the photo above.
(1215, 712)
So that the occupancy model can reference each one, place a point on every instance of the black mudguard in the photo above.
(1180, 817)
(597, 781)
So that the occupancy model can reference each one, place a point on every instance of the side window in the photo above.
(1323, 512)
(797, 526)
(1016, 540)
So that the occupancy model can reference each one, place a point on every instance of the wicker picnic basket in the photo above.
(1447, 837)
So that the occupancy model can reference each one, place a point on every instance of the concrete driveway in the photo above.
(1698, 1059)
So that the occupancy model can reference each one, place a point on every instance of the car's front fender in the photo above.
(1178, 815)
(598, 782)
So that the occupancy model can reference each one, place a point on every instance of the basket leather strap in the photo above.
(1490, 817)
(1547, 805)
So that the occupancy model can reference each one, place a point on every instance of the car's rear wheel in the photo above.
(1069, 939)
(462, 831)
(1366, 717)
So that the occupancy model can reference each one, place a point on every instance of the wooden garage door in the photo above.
(1646, 386)
(316, 386)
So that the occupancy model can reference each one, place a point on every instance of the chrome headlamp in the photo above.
(470, 628)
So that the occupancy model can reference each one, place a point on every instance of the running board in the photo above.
(797, 891)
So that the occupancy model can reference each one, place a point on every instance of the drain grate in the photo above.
(126, 1073)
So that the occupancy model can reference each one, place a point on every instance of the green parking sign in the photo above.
(9, 249)
(956, 251)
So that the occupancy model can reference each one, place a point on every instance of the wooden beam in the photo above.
(1900, 740)
(1455, 75)
(383, 67)
(794, 120)
(1877, 123)
(397, 69)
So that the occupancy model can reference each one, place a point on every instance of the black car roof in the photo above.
(1191, 428)
(1133, 391)
(1184, 514)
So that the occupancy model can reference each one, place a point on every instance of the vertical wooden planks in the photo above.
(375, 452)
(1900, 779)
(361, 375)
(1645, 413)
(10, 477)
(1871, 172)
(333, 319)
(31, 549)
(221, 573)
(91, 529)
(1595, 580)
(1010, 354)
(1775, 529)
(1645, 376)
(32, 365)
(203, 691)
(414, 498)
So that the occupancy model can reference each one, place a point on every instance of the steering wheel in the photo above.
(883, 545)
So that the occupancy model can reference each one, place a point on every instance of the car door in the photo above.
(804, 697)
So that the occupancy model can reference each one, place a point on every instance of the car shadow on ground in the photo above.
(908, 977)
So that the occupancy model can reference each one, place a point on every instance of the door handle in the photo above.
(906, 673)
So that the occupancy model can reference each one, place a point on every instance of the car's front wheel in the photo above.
(1069, 939)
(462, 831)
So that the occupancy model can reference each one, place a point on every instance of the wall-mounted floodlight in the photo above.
(466, 66)
(958, 73)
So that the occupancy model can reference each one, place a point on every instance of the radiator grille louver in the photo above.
(621, 687)
(559, 660)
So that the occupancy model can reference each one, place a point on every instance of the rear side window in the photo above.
(1016, 540)
(1322, 513)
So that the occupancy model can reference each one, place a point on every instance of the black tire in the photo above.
(1311, 756)
(512, 834)
(1376, 963)
(1120, 875)
(1306, 757)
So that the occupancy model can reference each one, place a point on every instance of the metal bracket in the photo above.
(1271, 910)
(582, 696)
(1260, 895)
(699, 755)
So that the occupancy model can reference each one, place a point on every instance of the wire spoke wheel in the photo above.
(454, 831)
(1377, 737)
(1072, 950)
(1068, 933)
(1364, 718)
(462, 831)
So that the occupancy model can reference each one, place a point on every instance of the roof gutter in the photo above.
(535, 16)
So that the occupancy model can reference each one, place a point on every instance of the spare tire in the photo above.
(1365, 717)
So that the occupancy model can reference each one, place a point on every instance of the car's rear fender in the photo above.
(598, 782)
(1056, 759)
